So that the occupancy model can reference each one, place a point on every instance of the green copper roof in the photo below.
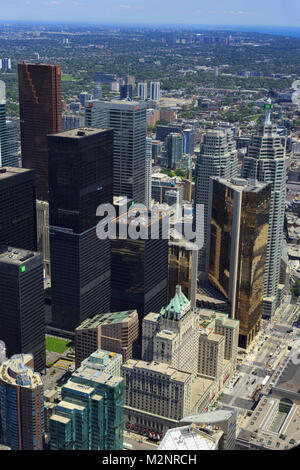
(177, 305)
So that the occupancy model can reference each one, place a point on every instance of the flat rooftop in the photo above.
(142, 217)
(80, 133)
(97, 376)
(189, 438)
(16, 256)
(159, 368)
(8, 171)
(272, 426)
(107, 319)
(242, 185)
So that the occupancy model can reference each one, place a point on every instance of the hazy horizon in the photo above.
(223, 13)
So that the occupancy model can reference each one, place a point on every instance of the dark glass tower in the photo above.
(80, 179)
(40, 114)
(22, 308)
(18, 208)
(140, 268)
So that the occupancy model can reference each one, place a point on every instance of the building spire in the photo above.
(268, 107)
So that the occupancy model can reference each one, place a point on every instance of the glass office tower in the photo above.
(237, 249)
(18, 226)
(40, 114)
(266, 161)
(129, 121)
(80, 179)
(22, 304)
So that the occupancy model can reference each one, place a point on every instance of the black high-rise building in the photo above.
(17, 208)
(22, 307)
(126, 91)
(80, 179)
(140, 267)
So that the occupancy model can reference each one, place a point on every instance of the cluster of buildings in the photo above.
(148, 356)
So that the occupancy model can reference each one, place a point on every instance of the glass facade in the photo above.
(238, 247)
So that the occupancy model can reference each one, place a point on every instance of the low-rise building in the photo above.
(115, 332)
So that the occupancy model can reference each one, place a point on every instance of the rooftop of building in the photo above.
(97, 376)
(60, 419)
(178, 306)
(11, 171)
(207, 319)
(211, 417)
(69, 406)
(242, 185)
(159, 368)
(80, 133)
(142, 217)
(108, 319)
(119, 104)
(190, 438)
(16, 256)
(15, 371)
(211, 335)
(273, 425)
(101, 360)
(289, 379)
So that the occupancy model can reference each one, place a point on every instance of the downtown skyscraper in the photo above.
(18, 226)
(21, 404)
(237, 246)
(266, 162)
(22, 303)
(129, 122)
(218, 157)
(3, 131)
(40, 115)
(80, 179)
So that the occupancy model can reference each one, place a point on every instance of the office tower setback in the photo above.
(22, 309)
(80, 179)
(155, 91)
(236, 255)
(43, 240)
(84, 98)
(148, 179)
(40, 115)
(189, 141)
(138, 280)
(115, 332)
(126, 91)
(12, 157)
(5, 64)
(90, 415)
(129, 122)
(142, 91)
(266, 162)
(3, 136)
(183, 263)
(97, 91)
(174, 149)
(72, 122)
(21, 404)
(217, 157)
(18, 208)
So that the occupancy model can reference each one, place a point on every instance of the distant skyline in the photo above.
(258, 13)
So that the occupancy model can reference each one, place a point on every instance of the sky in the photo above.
(284, 13)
